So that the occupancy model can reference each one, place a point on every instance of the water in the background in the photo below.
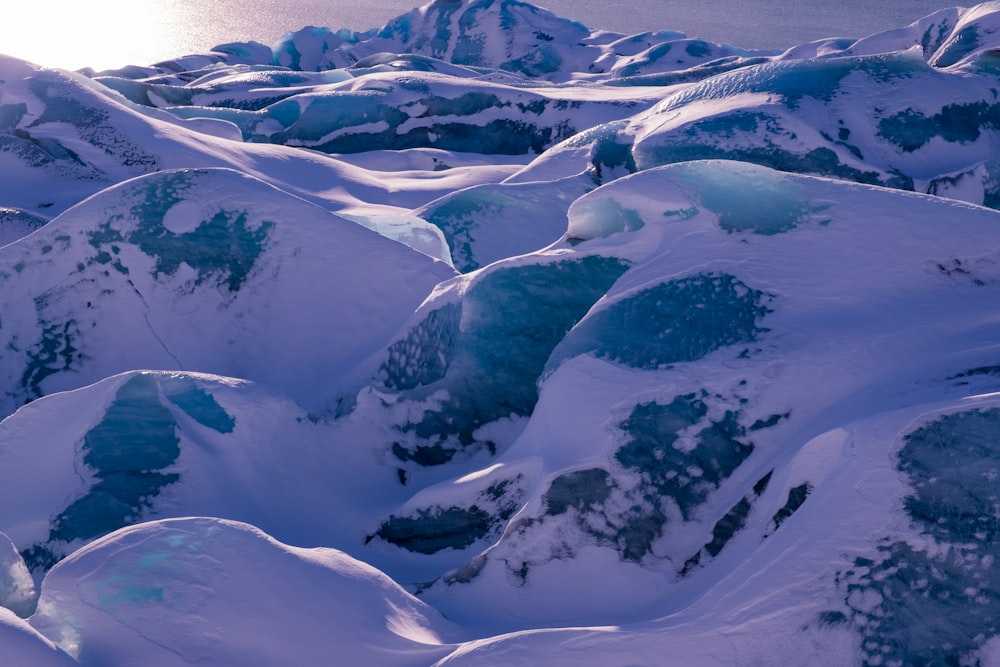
(113, 33)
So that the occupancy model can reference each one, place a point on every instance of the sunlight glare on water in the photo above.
(103, 33)
(106, 34)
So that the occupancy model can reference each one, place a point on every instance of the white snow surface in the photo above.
(489, 338)
(147, 594)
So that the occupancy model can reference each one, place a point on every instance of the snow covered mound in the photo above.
(888, 119)
(146, 445)
(859, 549)
(747, 312)
(146, 594)
(206, 269)
(604, 346)
(64, 137)
(421, 109)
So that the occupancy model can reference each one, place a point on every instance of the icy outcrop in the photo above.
(888, 119)
(488, 223)
(933, 597)
(148, 445)
(16, 224)
(473, 353)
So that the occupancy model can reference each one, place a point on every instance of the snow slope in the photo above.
(145, 594)
(487, 338)
(208, 269)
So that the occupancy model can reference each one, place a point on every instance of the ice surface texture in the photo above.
(129, 453)
(604, 346)
(109, 277)
(474, 362)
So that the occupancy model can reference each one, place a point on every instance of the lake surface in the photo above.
(112, 33)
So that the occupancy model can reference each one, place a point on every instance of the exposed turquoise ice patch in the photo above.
(322, 115)
(923, 606)
(120, 590)
(197, 403)
(654, 428)
(152, 559)
(600, 217)
(424, 355)
(224, 247)
(129, 454)
(953, 467)
(55, 351)
(669, 474)
(435, 528)
(676, 321)
(671, 482)
(911, 130)
(126, 451)
(747, 198)
(487, 353)
(456, 217)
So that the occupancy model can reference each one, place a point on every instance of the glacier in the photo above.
(489, 338)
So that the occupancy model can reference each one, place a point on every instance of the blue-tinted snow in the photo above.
(614, 343)
(187, 269)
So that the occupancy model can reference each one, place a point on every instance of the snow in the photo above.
(23, 645)
(487, 338)
(197, 243)
(147, 592)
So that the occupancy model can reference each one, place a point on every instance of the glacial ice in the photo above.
(435, 528)
(222, 248)
(655, 478)
(126, 454)
(120, 259)
(787, 133)
(743, 196)
(916, 604)
(130, 456)
(487, 223)
(391, 111)
(680, 320)
(16, 224)
(587, 339)
(484, 352)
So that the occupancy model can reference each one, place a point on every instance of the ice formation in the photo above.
(486, 338)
